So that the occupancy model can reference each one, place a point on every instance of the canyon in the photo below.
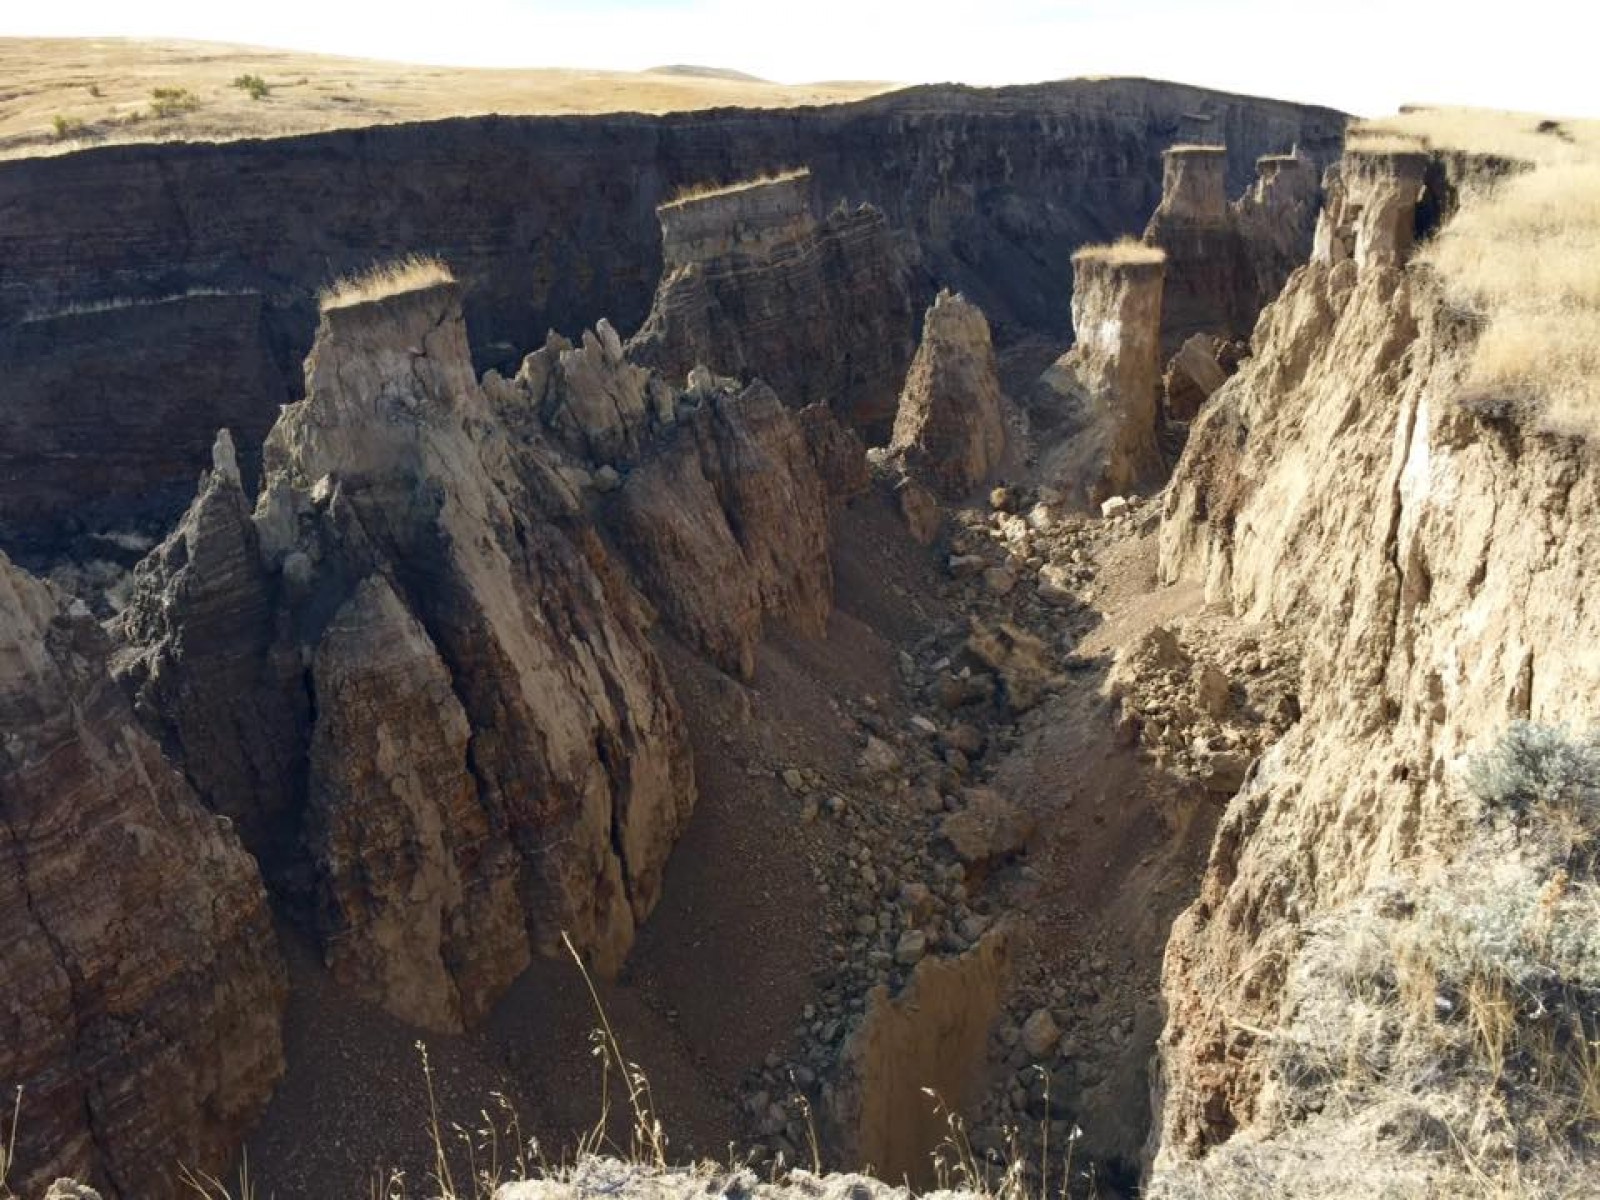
(973, 700)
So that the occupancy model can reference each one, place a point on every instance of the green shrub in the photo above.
(170, 101)
(254, 84)
(66, 127)
(1544, 779)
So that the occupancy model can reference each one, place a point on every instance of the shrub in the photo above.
(66, 127)
(254, 84)
(170, 101)
(1547, 781)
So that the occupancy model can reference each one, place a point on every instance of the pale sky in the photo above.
(1366, 56)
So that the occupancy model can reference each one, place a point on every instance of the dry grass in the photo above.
(8, 1147)
(700, 191)
(1124, 252)
(102, 91)
(1523, 251)
(408, 274)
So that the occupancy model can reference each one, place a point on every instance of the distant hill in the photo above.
(695, 72)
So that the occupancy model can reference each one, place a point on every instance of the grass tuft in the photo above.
(701, 191)
(1121, 253)
(412, 273)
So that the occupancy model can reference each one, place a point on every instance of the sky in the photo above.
(1365, 56)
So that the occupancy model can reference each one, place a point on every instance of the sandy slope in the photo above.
(106, 85)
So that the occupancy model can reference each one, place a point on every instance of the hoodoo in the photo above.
(1225, 262)
(1098, 402)
(949, 429)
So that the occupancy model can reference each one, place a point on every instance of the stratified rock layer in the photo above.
(142, 985)
(949, 431)
(753, 284)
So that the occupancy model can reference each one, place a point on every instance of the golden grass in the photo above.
(101, 89)
(1124, 252)
(407, 274)
(699, 191)
(1524, 251)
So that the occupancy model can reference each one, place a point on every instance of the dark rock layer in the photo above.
(550, 223)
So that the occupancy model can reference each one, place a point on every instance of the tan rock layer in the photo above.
(1095, 407)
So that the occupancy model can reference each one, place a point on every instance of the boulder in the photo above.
(1192, 374)
(987, 829)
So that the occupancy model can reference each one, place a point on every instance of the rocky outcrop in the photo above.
(143, 987)
(1427, 552)
(754, 285)
(727, 522)
(1096, 405)
(916, 1057)
(1226, 262)
(495, 755)
(948, 430)
(416, 676)
(207, 672)
(394, 464)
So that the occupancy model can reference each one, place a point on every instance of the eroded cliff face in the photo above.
(143, 986)
(418, 675)
(753, 284)
(1431, 553)
(98, 430)
(548, 222)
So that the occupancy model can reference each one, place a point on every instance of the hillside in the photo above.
(66, 92)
